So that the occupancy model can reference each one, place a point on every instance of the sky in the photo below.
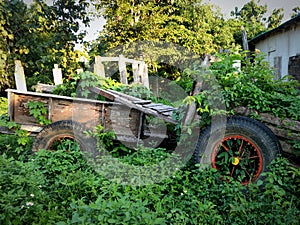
(226, 7)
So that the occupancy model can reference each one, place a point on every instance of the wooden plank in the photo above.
(22, 112)
(285, 133)
(104, 93)
(143, 74)
(31, 128)
(143, 109)
(191, 112)
(57, 96)
(128, 97)
(135, 71)
(153, 105)
(286, 146)
(5, 130)
(122, 70)
(116, 59)
(46, 88)
(11, 103)
(285, 123)
(142, 102)
(99, 67)
(20, 76)
(270, 119)
(163, 107)
(50, 108)
(57, 75)
(169, 113)
(167, 110)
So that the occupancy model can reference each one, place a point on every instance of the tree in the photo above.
(252, 17)
(40, 36)
(275, 18)
(188, 23)
(296, 12)
(13, 35)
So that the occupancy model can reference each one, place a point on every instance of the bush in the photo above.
(254, 86)
(3, 105)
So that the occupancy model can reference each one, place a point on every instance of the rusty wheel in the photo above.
(242, 149)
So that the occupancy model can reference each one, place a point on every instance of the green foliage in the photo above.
(255, 87)
(78, 86)
(13, 35)
(119, 210)
(3, 105)
(196, 26)
(252, 17)
(22, 196)
(59, 187)
(38, 111)
(296, 12)
(40, 36)
(18, 145)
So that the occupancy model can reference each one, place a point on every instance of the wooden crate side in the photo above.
(89, 114)
(122, 120)
(286, 130)
(86, 112)
(21, 113)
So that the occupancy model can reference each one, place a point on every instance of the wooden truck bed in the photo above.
(123, 115)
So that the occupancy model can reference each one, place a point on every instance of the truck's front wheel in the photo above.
(242, 149)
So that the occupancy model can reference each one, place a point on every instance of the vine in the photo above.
(38, 111)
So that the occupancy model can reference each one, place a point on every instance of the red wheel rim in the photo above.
(238, 157)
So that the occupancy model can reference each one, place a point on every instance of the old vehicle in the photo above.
(238, 146)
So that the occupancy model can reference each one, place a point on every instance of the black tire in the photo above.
(65, 129)
(242, 149)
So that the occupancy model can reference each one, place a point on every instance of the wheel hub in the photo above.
(235, 161)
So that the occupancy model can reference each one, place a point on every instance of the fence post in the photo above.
(143, 74)
(135, 71)
(80, 70)
(57, 75)
(99, 67)
(122, 70)
(20, 76)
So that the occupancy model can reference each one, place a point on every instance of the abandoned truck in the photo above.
(247, 145)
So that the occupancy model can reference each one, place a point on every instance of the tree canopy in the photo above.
(252, 17)
(198, 27)
(41, 35)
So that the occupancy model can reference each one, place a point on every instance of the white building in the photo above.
(282, 47)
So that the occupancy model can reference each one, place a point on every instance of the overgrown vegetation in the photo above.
(255, 87)
(59, 187)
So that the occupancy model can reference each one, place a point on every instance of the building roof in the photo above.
(283, 27)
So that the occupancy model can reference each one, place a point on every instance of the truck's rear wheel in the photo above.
(242, 149)
(61, 130)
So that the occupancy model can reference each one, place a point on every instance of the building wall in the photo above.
(279, 47)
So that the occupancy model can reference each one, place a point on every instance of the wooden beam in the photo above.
(99, 67)
(103, 93)
(20, 76)
(57, 75)
(122, 70)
